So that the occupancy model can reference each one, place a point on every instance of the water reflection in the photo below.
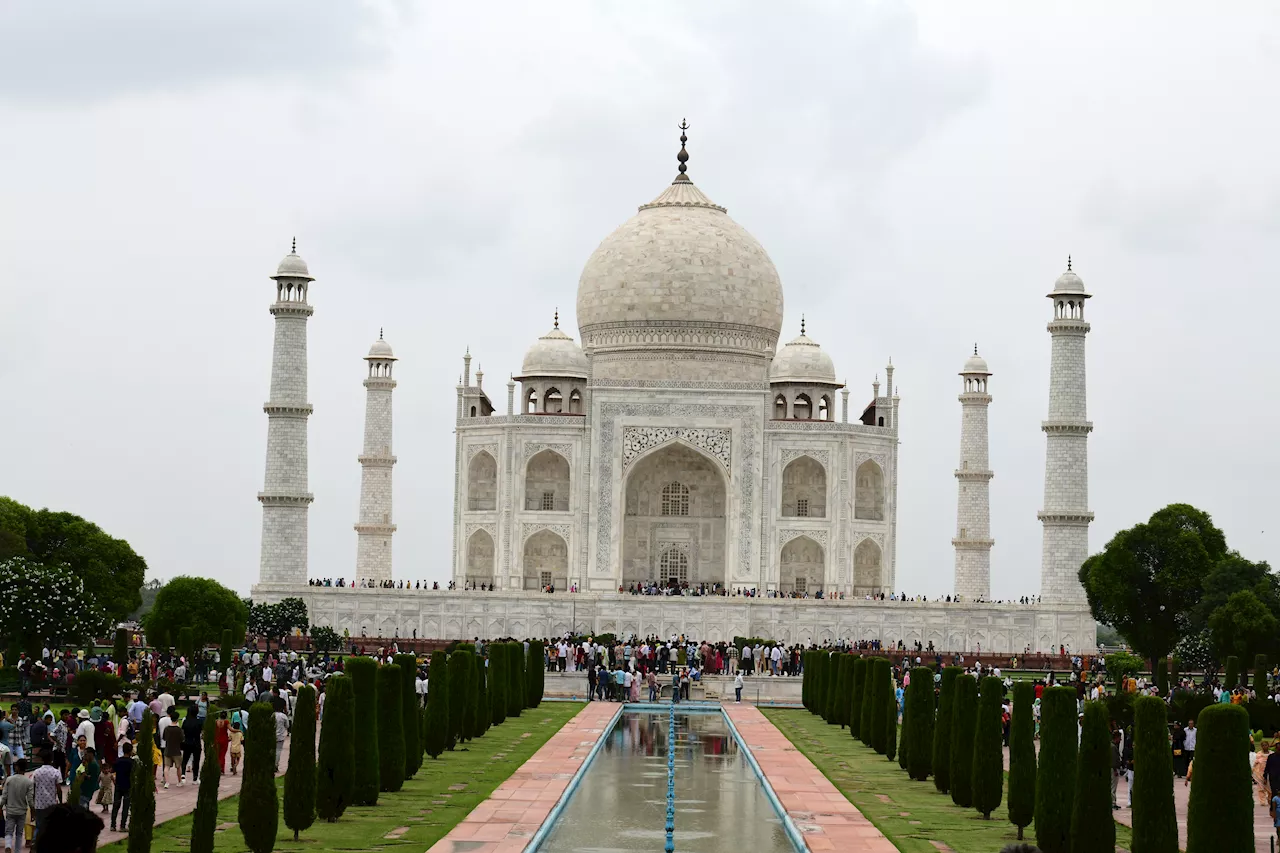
(620, 806)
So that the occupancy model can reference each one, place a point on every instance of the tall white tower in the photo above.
(1066, 513)
(284, 496)
(373, 548)
(973, 506)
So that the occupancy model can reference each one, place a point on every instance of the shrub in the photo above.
(1122, 665)
(904, 739)
(942, 730)
(1056, 777)
(409, 709)
(363, 672)
(390, 729)
(90, 684)
(471, 699)
(1089, 831)
(187, 642)
(259, 811)
(142, 800)
(844, 688)
(120, 654)
(1232, 679)
(831, 686)
(1260, 684)
(535, 675)
(204, 820)
(300, 778)
(867, 721)
(484, 711)
(918, 723)
(515, 679)
(1155, 827)
(459, 689)
(988, 749)
(1022, 757)
(880, 679)
(819, 689)
(1220, 812)
(1161, 675)
(806, 683)
(890, 717)
(964, 720)
(437, 716)
(335, 771)
(855, 698)
(498, 682)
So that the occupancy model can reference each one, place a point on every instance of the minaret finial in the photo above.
(802, 324)
(557, 318)
(975, 349)
(683, 156)
(294, 249)
(1068, 263)
(379, 333)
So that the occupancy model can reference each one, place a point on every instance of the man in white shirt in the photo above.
(85, 729)
(776, 657)
(167, 701)
(420, 689)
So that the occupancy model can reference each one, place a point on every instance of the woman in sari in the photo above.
(1261, 790)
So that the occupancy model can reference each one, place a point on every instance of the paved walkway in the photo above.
(506, 821)
(824, 815)
(176, 802)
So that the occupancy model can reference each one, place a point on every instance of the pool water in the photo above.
(620, 805)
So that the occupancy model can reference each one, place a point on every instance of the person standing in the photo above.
(1179, 744)
(124, 786)
(1117, 768)
(192, 729)
(737, 687)
(90, 776)
(173, 740)
(1189, 742)
(47, 784)
(591, 683)
(17, 796)
(86, 728)
(651, 679)
(222, 738)
(235, 744)
(282, 734)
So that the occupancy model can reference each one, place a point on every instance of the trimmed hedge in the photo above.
(204, 820)
(1056, 779)
(1232, 679)
(866, 723)
(1220, 812)
(335, 769)
(1260, 669)
(535, 675)
(142, 802)
(390, 729)
(890, 717)
(484, 711)
(259, 806)
(460, 669)
(300, 777)
(880, 679)
(942, 730)
(437, 715)
(498, 682)
(964, 721)
(831, 684)
(988, 749)
(856, 690)
(515, 679)
(918, 724)
(844, 689)
(1022, 757)
(409, 709)
(363, 672)
(1155, 826)
(1089, 829)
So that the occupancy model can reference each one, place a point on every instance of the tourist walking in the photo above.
(737, 687)
(192, 730)
(222, 739)
(173, 742)
(90, 775)
(124, 787)
(16, 798)
(282, 734)
(1262, 789)
(47, 782)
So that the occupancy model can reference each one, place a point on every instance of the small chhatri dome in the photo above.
(381, 350)
(803, 361)
(554, 354)
(293, 266)
(1069, 282)
(975, 364)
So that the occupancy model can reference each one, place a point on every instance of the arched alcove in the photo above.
(480, 558)
(869, 496)
(802, 408)
(546, 482)
(802, 566)
(482, 482)
(868, 573)
(545, 561)
(804, 489)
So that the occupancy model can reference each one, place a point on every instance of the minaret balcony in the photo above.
(287, 410)
(376, 461)
(1067, 326)
(380, 529)
(276, 499)
(1066, 518)
(380, 382)
(1067, 427)
(972, 398)
(972, 474)
(292, 309)
(974, 544)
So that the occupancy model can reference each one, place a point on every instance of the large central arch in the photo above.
(545, 561)
(675, 497)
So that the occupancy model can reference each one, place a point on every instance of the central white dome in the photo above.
(680, 275)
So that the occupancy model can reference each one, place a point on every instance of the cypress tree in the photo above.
(484, 712)
(335, 770)
(535, 674)
(890, 717)
(459, 679)
(259, 812)
(866, 723)
(1155, 823)
(844, 689)
(471, 700)
(942, 730)
(1260, 667)
(855, 698)
(1220, 812)
(806, 679)
(204, 820)
(1022, 757)
(390, 729)
(880, 680)
(226, 654)
(918, 725)
(1056, 776)
(142, 800)
(904, 739)
(819, 697)
(1089, 830)
(831, 685)
(437, 715)
(988, 751)
(363, 672)
(1162, 676)
(964, 721)
(300, 778)
(515, 679)
(120, 654)
(498, 682)
(409, 706)
(1233, 675)
(186, 642)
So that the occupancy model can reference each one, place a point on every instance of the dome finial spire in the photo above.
(1068, 263)
(683, 156)
(379, 333)
(293, 250)
(802, 324)
(557, 318)
(975, 349)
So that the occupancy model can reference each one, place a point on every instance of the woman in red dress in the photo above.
(222, 737)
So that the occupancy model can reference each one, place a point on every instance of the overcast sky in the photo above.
(918, 173)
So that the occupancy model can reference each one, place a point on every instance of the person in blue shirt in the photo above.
(898, 694)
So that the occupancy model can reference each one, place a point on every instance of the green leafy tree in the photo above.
(918, 723)
(484, 710)
(1232, 679)
(498, 682)
(1161, 674)
(204, 606)
(1244, 626)
(437, 716)
(515, 679)
(536, 674)
(1121, 665)
(35, 599)
(904, 736)
(942, 730)
(390, 729)
(142, 800)
(204, 820)
(1231, 574)
(866, 723)
(1056, 778)
(325, 638)
(988, 751)
(335, 769)
(279, 620)
(300, 778)
(1148, 580)
(1155, 826)
(1090, 831)
(1220, 812)
(259, 811)
(964, 721)
(120, 653)
(363, 672)
(409, 704)
(460, 669)
(855, 699)
(186, 642)
(1022, 757)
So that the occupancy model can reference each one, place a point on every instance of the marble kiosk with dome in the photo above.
(685, 442)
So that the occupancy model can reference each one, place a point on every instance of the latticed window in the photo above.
(802, 585)
(548, 500)
(545, 579)
(675, 499)
(674, 565)
(802, 507)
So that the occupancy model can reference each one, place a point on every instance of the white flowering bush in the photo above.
(46, 604)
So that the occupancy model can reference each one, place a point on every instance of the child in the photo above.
(106, 791)
(236, 745)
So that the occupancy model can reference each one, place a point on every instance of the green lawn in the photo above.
(442, 793)
(910, 814)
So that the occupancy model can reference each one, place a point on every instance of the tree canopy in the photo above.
(275, 621)
(111, 572)
(42, 604)
(204, 605)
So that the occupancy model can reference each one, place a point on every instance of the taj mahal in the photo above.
(679, 445)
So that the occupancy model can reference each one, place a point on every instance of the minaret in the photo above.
(1066, 513)
(373, 545)
(973, 506)
(284, 496)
